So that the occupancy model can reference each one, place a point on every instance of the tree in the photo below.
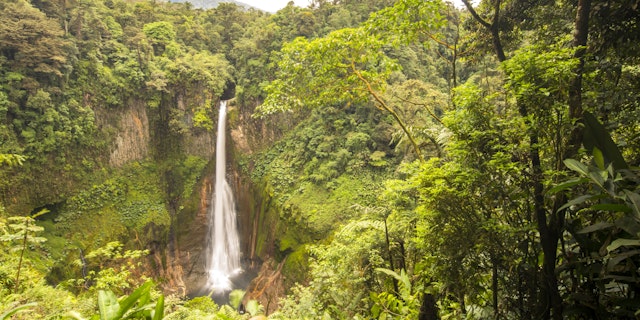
(31, 42)
(346, 66)
(160, 33)
(342, 273)
(550, 220)
(429, 22)
(493, 27)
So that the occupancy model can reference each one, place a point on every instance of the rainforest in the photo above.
(380, 159)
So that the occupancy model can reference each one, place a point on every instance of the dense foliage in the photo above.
(485, 225)
(431, 161)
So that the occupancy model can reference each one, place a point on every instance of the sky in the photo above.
(275, 5)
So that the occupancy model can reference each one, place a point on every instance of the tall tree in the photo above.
(549, 219)
(346, 66)
(32, 42)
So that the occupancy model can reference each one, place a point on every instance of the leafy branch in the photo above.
(22, 227)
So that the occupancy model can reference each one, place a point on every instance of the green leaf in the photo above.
(141, 310)
(598, 158)
(597, 137)
(253, 308)
(616, 259)
(73, 314)
(577, 201)
(158, 312)
(11, 159)
(566, 185)
(108, 305)
(145, 298)
(223, 317)
(235, 298)
(9, 313)
(41, 212)
(599, 177)
(634, 198)
(405, 282)
(623, 242)
(596, 227)
(130, 301)
(390, 273)
(577, 166)
(628, 224)
(612, 207)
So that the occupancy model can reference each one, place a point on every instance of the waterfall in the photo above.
(223, 261)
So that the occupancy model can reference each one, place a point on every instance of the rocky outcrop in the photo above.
(200, 143)
(132, 136)
(267, 287)
(191, 241)
(252, 135)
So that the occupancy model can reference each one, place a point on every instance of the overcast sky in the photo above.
(275, 5)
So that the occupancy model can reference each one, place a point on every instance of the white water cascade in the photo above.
(223, 261)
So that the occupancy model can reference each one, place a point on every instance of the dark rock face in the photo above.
(229, 90)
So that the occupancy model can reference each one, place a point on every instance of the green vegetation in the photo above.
(480, 222)
(407, 159)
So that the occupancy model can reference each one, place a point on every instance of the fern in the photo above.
(354, 227)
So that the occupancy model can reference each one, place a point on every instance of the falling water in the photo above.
(224, 247)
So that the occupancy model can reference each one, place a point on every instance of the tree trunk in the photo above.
(550, 297)
(556, 223)
(580, 36)
(494, 287)
(429, 308)
(24, 247)
(548, 238)
(391, 264)
(497, 44)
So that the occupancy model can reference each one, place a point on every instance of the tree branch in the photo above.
(475, 14)
(492, 28)
(384, 106)
(424, 105)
